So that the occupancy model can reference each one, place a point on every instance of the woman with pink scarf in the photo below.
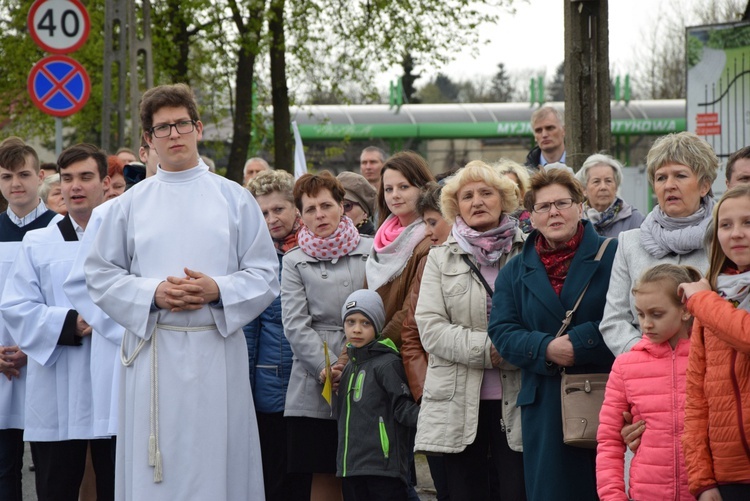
(468, 410)
(400, 242)
(316, 279)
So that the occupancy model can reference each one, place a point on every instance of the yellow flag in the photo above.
(327, 386)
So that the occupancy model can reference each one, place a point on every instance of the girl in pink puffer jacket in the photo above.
(649, 381)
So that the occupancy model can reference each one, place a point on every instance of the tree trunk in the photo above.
(282, 128)
(178, 64)
(249, 48)
(587, 86)
(242, 114)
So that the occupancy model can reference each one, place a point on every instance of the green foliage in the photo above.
(336, 43)
(556, 89)
(335, 47)
(729, 38)
(502, 88)
(408, 79)
(694, 51)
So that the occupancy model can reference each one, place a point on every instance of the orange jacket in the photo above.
(717, 411)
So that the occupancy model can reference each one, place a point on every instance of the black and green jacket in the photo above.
(375, 413)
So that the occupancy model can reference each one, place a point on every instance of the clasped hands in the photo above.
(12, 359)
(186, 293)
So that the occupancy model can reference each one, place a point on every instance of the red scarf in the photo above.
(557, 261)
(288, 242)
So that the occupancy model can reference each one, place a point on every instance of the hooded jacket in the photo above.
(648, 381)
(375, 413)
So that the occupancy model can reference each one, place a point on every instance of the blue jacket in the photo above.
(526, 315)
(269, 356)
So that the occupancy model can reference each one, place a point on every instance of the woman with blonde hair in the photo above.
(519, 175)
(469, 388)
(269, 352)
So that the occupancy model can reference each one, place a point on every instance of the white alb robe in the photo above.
(203, 417)
(34, 307)
(105, 338)
(11, 392)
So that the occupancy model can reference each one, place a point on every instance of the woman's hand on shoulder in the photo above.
(689, 288)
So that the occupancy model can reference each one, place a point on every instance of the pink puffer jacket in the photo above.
(650, 382)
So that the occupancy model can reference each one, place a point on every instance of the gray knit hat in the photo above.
(368, 303)
(359, 190)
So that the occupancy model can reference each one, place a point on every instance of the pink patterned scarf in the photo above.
(488, 246)
(339, 243)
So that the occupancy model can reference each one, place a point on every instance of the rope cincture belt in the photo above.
(154, 453)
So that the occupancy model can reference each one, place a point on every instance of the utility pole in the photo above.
(587, 92)
(122, 49)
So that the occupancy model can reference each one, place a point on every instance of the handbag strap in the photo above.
(478, 274)
(569, 313)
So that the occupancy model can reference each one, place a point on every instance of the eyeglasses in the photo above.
(164, 130)
(349, 205)
(563, 203)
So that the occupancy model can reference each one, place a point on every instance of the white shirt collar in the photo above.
(79, 229)
(28, 218)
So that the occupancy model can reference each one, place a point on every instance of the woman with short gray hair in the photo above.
(681, 169)
(601, 176)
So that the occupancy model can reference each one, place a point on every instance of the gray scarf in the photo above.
(735, 288)
(662, 235)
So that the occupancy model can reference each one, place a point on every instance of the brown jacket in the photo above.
(717, 408)
(412, 351)
(395, 294)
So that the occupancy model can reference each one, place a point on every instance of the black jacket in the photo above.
(534, 159)
(375, 411)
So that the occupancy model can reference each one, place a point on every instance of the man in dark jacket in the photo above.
(548, 125)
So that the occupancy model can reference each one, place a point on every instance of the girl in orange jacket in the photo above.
(717, 411)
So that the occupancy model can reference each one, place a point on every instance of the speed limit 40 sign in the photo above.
(59, 26)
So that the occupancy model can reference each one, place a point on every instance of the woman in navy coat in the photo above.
(532, 294)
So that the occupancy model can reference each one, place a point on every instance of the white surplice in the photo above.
(201, 415)
(12, 391)
(34, 307)
(105, 338)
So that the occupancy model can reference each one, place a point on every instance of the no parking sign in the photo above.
(59, 86)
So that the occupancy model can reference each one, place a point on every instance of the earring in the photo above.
(685, 318)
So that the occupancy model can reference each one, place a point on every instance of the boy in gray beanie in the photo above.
(375, 409)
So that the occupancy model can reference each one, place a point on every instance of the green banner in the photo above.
(335, 132)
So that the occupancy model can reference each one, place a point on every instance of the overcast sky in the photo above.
(532, 40)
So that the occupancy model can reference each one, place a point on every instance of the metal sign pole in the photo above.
(58, 136)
